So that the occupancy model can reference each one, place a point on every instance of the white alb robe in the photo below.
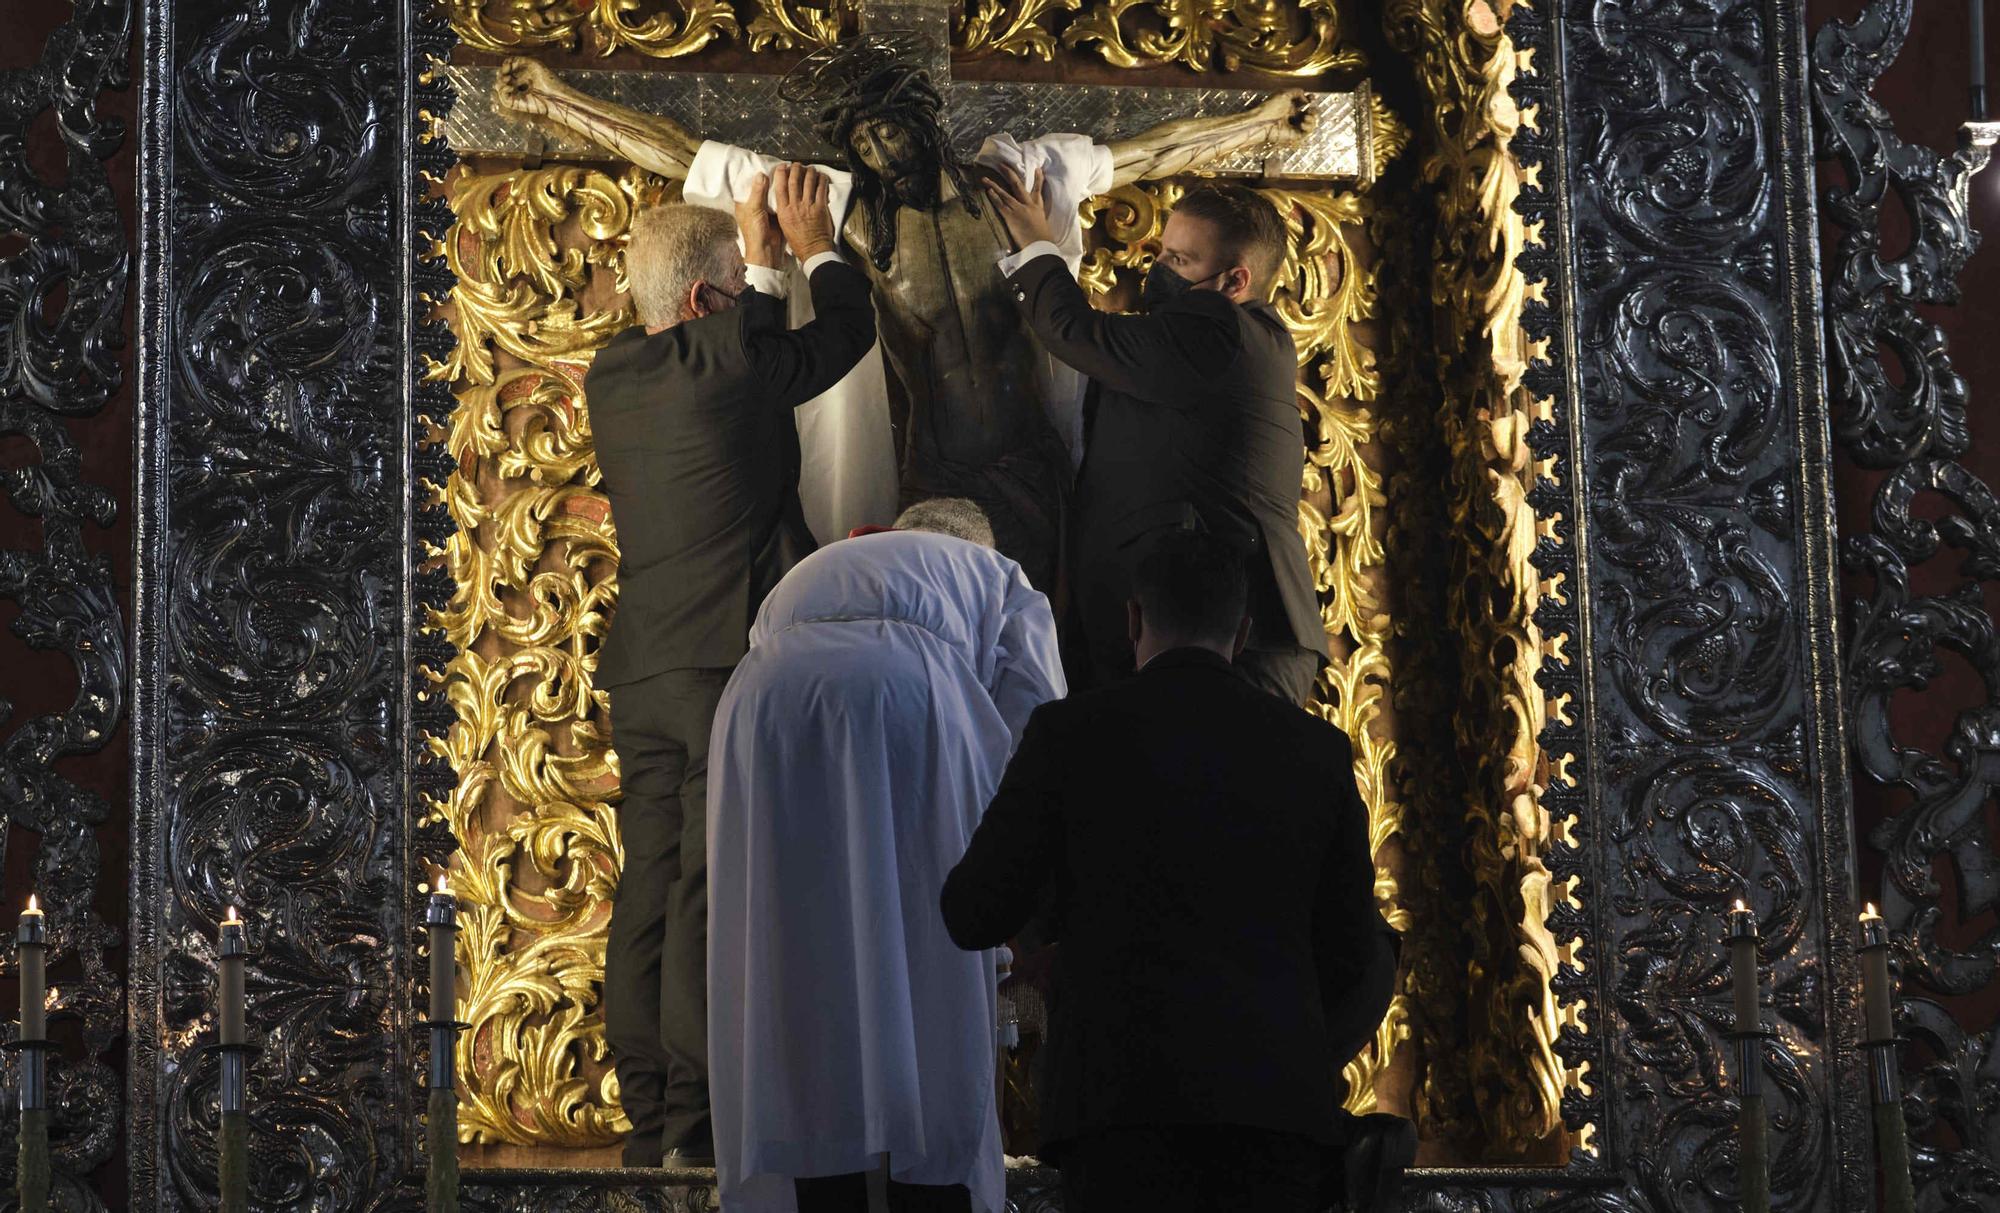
(847, 477)
(855, 749)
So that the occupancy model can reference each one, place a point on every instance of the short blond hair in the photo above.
(672, 247)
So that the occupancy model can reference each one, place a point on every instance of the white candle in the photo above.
(233, 951)
(32, 939)
(443, 920)
(1743, 967)
(1875, 988)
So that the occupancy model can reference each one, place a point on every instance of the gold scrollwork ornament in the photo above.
(1301, 38)
(1009, 27)
(650, 27)
(1506, 1092)
(784, 25)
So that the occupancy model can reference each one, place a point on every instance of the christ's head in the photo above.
(904, 161)
(885, 115)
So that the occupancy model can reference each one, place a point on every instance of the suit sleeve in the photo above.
(798, 364)
(1149, 357)
(1356, 950)
(993, 891)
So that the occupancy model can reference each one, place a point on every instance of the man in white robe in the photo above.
(888, 680)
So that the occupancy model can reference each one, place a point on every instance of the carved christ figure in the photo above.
(976, 409)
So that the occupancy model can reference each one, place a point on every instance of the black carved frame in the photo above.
(285, 503)
(56, 375)
(1915, 432)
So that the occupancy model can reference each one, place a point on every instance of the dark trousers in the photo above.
(656, 958)
(849, 1194)
(1192, 1169)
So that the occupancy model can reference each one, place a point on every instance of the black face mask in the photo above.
(1163, 285)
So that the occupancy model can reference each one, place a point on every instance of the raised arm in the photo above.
(651, 141)
(799, 364)
(1189, 143)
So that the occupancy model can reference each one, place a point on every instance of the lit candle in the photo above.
(1743, 967)
(33, 939)
(233, 952)
(1881, 1018)
(443, 921)
(1977, 38)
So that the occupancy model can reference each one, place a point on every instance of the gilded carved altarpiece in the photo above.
(537, 254)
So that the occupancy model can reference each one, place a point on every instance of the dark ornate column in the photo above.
(280, 329)
(1923, 568)
(1677, 324)
(63, 302)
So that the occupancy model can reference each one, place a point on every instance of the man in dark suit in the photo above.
(692, 415)
(1220, 957)
(1192, 420)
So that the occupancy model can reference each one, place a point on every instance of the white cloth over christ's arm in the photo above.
(1074, 168)
(721, 174)
(847, 473)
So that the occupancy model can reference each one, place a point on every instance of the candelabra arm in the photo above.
(1975, 149)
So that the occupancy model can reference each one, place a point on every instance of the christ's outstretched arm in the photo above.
(1187, 144)
(657, 144)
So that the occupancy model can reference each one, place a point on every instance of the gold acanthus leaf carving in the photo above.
(533, 563)
(651, 27)
(517, 280)
(539, 259)
(1506, 1093)
(785, 25)
(1301, 38)
(1008, 27)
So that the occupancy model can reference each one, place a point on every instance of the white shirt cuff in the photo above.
(767, 281)
(1012, 262)
(818, 259)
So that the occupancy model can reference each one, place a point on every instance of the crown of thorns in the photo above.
(874, 74)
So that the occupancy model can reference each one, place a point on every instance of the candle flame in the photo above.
(34, 907)
(1868, 912)
(1740, 907)
(230, 919)
(444, 882)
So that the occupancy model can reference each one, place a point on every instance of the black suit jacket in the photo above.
(1221, 955)
(1194, 421)
(700, 457)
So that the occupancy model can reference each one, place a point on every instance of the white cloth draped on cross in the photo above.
(848, 478)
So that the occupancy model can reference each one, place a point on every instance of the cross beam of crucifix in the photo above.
(745, 109)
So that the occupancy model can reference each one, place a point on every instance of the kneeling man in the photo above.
(856, 746)
(1220, 956)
